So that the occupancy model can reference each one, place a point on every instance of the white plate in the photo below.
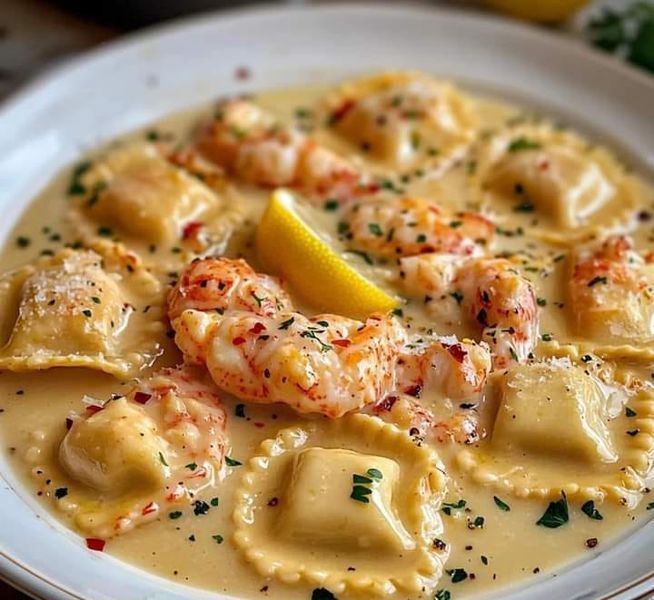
(140, 79)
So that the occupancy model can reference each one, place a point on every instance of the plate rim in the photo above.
(21, 575)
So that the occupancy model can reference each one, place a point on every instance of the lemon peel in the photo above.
(289, 247)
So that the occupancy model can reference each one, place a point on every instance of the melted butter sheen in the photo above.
(495, 547)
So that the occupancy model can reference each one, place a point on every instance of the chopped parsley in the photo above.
(191, 466)
(375, 229)
(176, 514)
(330, 205)
(458, 296)
(478, 522)
(650, 506)
(457, 575)
(312, 335)
(449, 506)
(588, 508)
(286, 324)
(597, 279)
(76, 187)
(232, 462)
(629, 412)
(523, 143)
(22, 241)
(398, 312)
(546, 337)
(215, 501)
(556, 514)
(200, 507)
(443, 595)
(322, 594)
(361, 484)
(363, 255)
(541, 301)
(239, 410)
(162, 460)
(218, 538)
(87, 313)
(501, 504)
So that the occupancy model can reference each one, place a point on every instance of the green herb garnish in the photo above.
(501, 504)
(556, 514)
(588, 508)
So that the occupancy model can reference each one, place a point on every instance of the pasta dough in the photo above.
(81, 308)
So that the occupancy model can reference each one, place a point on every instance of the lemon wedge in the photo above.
(544, 11)
(288, 246)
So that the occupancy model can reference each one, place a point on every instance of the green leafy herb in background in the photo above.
(628, 32)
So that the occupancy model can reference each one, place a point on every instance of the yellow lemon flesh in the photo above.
(288, 247)
(543, 11)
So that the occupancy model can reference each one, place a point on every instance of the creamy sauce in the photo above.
(503, 548)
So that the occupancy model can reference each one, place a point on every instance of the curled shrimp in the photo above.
(403, 226)
(327, 364)
(251, 144)
(221, 284)
(457, 369)
(611, 291)
(462, 427)
(494, 297)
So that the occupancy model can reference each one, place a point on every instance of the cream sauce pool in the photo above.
(496, 544)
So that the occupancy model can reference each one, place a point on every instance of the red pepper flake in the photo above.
(191, 229)
(259, 424)
(237, 341)
(341, 111)
(242, 73)
(149, 508)
(386, 404)
(142, 397)
(94, 408)
(342, 343)
(457, 352)
(95, 544)
(257, 328)
(414, 390)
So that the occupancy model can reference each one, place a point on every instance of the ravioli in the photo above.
(81, 308)
(611, 295)
(404, 119)
(536, 170)
(137, 194)
(562, 426)
(547, 410)
(349, 505)
(132, 456)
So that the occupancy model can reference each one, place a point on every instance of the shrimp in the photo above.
(404, 226)
(327, 364)
(462, 427)
(492, 294)
(251, 144)
(220, 284)
(611, 291)
(457, 369)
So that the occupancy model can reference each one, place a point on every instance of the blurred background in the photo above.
(38, 34)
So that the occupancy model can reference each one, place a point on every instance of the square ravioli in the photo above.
(547, 409)
(562, 184)
(73, 309)
(318, 507)
(138, 192)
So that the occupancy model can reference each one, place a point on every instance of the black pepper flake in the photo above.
(61, 492)
(200, 507)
